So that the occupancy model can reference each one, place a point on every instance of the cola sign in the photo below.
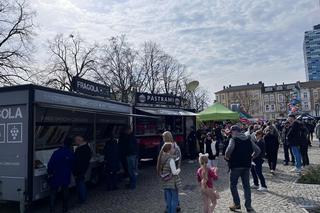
(158, 99)
(90, 88)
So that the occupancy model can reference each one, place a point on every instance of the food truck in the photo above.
(35, 120)
(160, 112)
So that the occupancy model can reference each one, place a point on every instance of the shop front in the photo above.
(159, 113)
(34, 122)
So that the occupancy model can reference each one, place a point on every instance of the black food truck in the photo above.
(35, 120)
(163, 113)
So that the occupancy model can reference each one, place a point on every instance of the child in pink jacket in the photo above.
(206, 176)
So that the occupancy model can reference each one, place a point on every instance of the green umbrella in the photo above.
(217, 112)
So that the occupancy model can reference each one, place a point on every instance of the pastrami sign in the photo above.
(157, 99)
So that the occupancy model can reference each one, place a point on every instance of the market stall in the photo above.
(217, 112)
(34, 121)
(163, 113)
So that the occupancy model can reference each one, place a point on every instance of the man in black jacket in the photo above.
(240, 152)
(294, 138)
(82, 162)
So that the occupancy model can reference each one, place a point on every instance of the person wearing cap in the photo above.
(239, 154)
(60, 168)
(286, 146)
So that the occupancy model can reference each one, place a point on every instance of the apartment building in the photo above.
(271, 102)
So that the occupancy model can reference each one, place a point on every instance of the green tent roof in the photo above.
(217, 112)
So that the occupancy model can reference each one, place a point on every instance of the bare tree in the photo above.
(119, 68)
(16, 33)
(70, 57)
(151, 58)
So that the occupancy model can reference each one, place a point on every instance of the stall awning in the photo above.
(162, 111)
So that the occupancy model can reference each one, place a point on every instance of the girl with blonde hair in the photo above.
(169, 175)
(206, 175)
(168, 138)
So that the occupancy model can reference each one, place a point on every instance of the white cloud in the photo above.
(222, 42)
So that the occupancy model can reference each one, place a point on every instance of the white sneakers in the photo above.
(295, 170)
(262, 189)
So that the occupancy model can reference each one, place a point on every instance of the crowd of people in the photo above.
(245, 148)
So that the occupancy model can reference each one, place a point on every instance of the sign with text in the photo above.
(11, 124)
(158, 99)
(90, 88)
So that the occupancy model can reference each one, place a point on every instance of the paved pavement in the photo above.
(284, 194)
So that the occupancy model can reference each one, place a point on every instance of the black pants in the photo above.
(218, 146)
(304, 155)
(64, 195)
(257, 175)
(225, 145)
(124, 164)
(286, 150)
(201, 146)
(193, 150)
(111, 180)
(272, 160)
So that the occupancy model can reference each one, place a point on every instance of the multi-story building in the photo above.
(311, 50)
(271, 102)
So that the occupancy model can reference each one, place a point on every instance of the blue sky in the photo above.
(221, 42)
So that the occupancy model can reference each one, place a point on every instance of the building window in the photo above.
(280, 98)
(305, 95)
(306, 105)
(222, 97)
(272, 108)
(273, 116)
(271, 97)
(267, 108)
(266, 98)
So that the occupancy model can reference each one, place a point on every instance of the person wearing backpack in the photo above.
(206, 175)
(210, 148)
(169, 175)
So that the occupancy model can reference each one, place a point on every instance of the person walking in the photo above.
(131, 153)
(219, 138)
(240, 151)
(168, 138)
(192, 145)
(294, 138)
(60, 168)
(272, 147)
(318, 132)
(169, 175)
(112, 162)
(310, 126)
(256, 168)
(210, 149)
(82, 162)
(305, 143)
(206, 175)
(286, 145)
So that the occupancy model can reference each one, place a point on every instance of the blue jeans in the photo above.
(171, 197)
(297, 156)
(234, 176)
(82, 189)
(132, 170)
(257, 175)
